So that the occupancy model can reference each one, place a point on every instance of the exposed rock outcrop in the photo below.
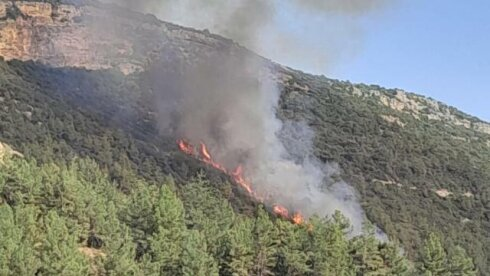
(443, 193)
(420, 107)
(393, 120)
(482, 127)
(6, 151)
(92, 253)
(52, 35)
(35, 9)
(95, 37)
(3, 10)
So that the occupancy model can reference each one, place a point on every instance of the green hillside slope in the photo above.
(402, 152)
(55, 115)
(69, 219)
(63, 214)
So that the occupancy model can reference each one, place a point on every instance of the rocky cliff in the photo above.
(418, 164)
(97, 36)
(94, 36)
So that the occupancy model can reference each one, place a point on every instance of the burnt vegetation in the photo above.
(98, 170)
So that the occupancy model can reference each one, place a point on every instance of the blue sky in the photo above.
(436, 48)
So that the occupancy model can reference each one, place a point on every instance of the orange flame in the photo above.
(238, 177)
(185, 147)
(206, 158)
(205, 153)
(298, 218)
(281, 211)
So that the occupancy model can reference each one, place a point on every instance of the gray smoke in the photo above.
(315, 34)
(236, 19)
(343, 6)
(230, 103)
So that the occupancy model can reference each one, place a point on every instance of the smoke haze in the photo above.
(229, 102)
(313, 35)
(343, 6)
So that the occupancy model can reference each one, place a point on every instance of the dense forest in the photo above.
(92, 163)
(71, 219)
(96, 169)
(399, 166)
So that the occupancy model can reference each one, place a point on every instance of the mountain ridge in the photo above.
(376, 135)
(67, 50)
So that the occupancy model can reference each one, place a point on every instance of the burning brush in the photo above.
(237, 175)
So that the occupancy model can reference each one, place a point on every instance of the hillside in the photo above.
(418, 165)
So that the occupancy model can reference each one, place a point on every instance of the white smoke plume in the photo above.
(312, 34)
(230, 102)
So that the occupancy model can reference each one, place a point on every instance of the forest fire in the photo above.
(206, 158)
(281, 211)
(205, 152)
(298, 218)
(238, 176)
(185, 147)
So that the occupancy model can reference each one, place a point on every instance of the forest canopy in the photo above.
(70, 219)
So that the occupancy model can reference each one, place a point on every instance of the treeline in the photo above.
(398, 167)
(70, 219)
(53, 115)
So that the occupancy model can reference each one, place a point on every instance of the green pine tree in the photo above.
(11, 237)
(434, 257)
(139, 214)
(367, 256)
(59, 252)
(18, 254)
(330, 246)
(395, 262)
(460, 264)
(26, 258)
(293, 252)
(166, 243)
(195, 258)
(118, 246)
(240, 247)
(207, 212)
(266, 244)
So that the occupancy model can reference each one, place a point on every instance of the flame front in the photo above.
(185, 147)
(206, 158)
(238, 177)
(298, 218)
(205, 153)
(281, 211)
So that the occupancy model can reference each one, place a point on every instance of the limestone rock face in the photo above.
(3, 10)
(66, 13)
(96, 37)
(35, 9)
(6, 152)
(420, 107)
(483, 127)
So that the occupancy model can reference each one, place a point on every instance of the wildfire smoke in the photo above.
(237, 175)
